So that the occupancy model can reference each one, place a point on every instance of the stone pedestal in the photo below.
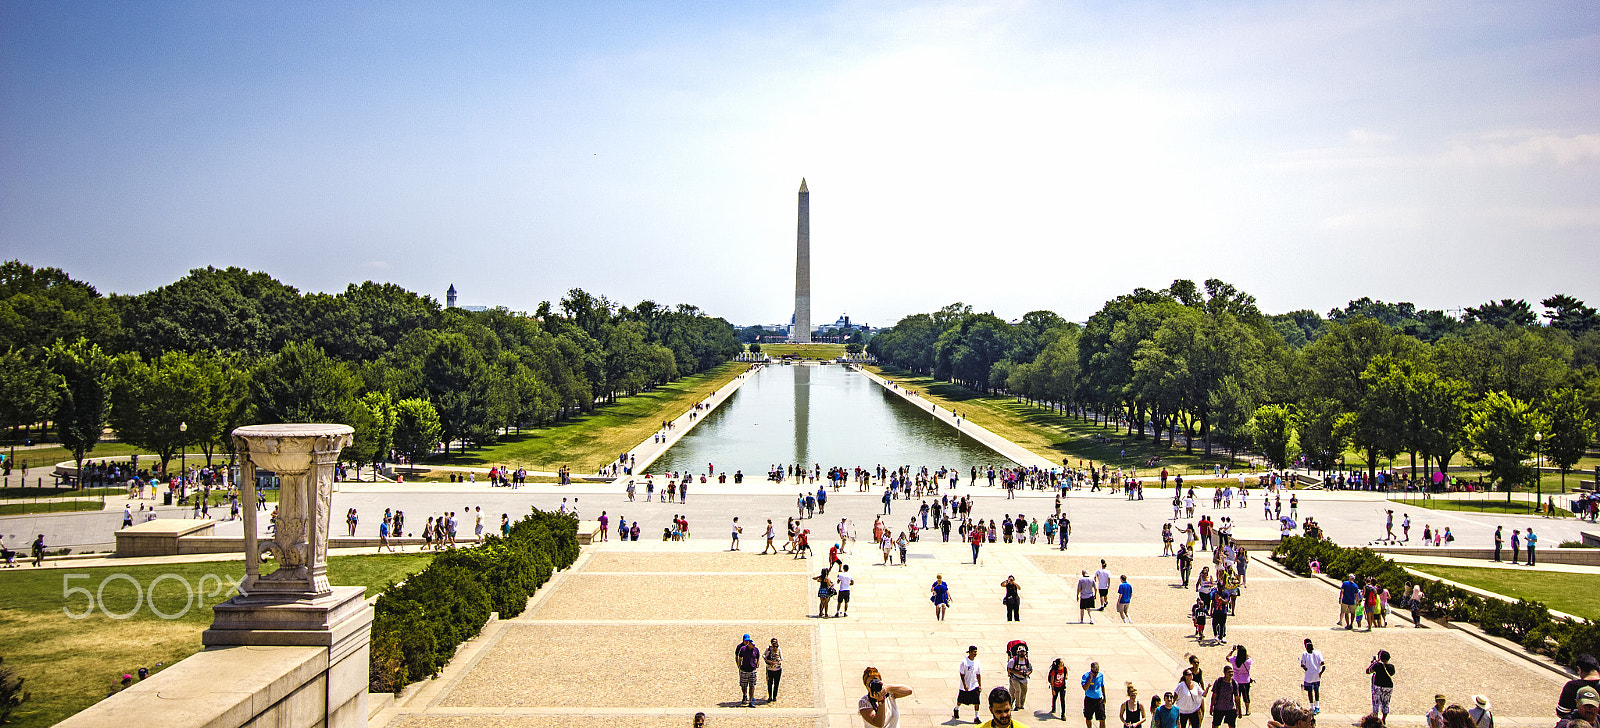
(295, 606)
(290, 651)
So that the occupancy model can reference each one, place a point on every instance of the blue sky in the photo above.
(1012, 155)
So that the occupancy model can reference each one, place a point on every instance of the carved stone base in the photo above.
(341, 621)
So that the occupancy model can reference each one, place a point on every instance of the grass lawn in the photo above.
(1488, 504)
(50, 492)
(586, 442)
(1570, 593)
(70, 664)
(50, 506)
(828, 352)
(1050, 434)
(44, 459)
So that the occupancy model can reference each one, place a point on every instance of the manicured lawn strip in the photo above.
(1050, 434)
(70, 664)
(42, 461)
(588, 441)
(1478, 505)
(1570, 593)
(828, 352)
(50, 492)
(50, 506)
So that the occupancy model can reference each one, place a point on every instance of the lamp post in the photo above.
(1538, 471)
(183, 457)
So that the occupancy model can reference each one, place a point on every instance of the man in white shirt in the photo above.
(842, 608)
(1102, 583)
(971, 684)
(1311, 661)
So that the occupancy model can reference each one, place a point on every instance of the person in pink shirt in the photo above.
(1239, 658)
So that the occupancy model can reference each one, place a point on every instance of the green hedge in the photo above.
(1528, 623)
(419, 623)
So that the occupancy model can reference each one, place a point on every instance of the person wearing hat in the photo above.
(1588, 676)
(747, 657)
(1435, 716)
(1587, 711)
(1479, 712)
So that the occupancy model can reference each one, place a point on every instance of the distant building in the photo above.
(450, 301)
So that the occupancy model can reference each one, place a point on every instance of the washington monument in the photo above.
(802, 270)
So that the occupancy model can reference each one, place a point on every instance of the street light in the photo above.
(1538, 471)
(183, 459)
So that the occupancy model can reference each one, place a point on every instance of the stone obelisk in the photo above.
(802, 270)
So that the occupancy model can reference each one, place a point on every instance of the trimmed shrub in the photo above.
(1527, 623)
(420, 622)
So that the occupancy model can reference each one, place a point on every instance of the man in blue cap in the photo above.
(747, 657)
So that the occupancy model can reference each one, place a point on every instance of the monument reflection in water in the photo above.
(820, 414)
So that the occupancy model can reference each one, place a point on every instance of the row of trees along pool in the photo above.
(220, 348)
(1377, 378)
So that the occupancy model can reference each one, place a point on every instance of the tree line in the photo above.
(186, 363)
(1495, 383)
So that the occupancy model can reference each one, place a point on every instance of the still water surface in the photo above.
(819, 414)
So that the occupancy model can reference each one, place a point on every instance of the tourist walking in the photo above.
(1124, 598)
(1012, 599)
(1085, 598)
(746, 657)
(1132, 713)
(1093, 683)
(1382, 684)
(1480, 714)
(971, 673)
(878, 706)
(737, 529)
(1018, 669)
(773, 658)
(941, 596)
(1224, 700)
(1239, 659)
(1058, 686)
(842, 607)
(825, 592)
(1102, 584)
(1312, 663)
(1190, 700)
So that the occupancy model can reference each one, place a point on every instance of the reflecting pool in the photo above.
(819, 414)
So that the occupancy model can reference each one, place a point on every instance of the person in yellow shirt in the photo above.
(1000, 710)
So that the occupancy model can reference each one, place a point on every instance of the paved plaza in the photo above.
(642, 634)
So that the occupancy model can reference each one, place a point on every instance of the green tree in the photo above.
(1503, 313)
(755, 348)
(1231, 405)
(1570, 314)
(173, 401)
(301, 384)
(416, 428)
(374, 431)
(1272, 428)
(84, 395)
(1571, 430)
(1501, 436)
(28, 392)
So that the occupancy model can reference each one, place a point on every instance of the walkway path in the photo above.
(645, 453)
(1016, 453)
(641, 634)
